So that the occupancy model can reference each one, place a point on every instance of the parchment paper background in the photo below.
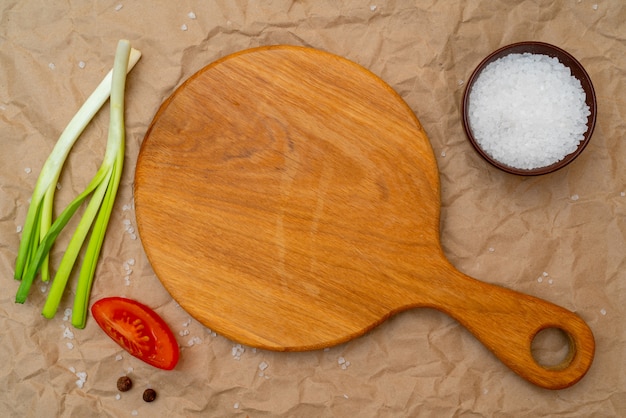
(495, 227)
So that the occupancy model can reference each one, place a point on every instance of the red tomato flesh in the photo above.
(137, 329)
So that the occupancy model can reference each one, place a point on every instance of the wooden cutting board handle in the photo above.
(506, 322)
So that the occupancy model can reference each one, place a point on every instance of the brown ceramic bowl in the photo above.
(577, 71)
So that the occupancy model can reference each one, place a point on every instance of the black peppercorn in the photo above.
(149, 395)
(124, 384)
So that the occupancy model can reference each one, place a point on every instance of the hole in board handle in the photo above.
(552, 348)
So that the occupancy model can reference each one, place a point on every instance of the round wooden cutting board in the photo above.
(288, 199)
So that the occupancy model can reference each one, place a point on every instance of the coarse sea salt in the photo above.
(527, 110)
(343, 363)
(82, 377)
(194, 341)
(67, 333)
(237, 351)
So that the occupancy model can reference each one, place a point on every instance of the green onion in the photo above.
(39, 233)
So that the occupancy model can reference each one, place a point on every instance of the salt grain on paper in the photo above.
(194, 341)
(134, 413)
(237, 351)
(343, 363)
(603, 311)
(236, 405)
(28, 170)
(67, 333)
(262, 367)
(52, 66)
(118, 7)
(81, 64)
(129, 229)
(82, 378)
(574, 197)
(18, 229)
(191, 15)
(183, 27)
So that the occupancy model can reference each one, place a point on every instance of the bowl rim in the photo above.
(545, 49)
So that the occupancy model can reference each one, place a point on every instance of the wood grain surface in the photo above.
(288, 199)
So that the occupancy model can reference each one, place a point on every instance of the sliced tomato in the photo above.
(137, 329)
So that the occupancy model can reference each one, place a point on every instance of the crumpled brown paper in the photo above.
(561, 237)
